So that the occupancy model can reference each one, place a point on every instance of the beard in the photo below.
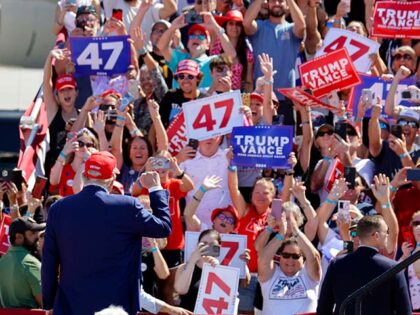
(33, 248)
(276, 13)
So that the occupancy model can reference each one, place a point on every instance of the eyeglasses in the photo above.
(199, 36)
(322, 133)
(183, 76)
(415, 223)
(412, 124)
(82, 144)
(290, 255)
(407, 57)
(227, 219)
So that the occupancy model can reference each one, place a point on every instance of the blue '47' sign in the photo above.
(100, 55)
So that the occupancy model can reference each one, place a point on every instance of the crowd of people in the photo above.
(103, 225)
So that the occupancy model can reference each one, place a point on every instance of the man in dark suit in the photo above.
(93, 242)
(349, 273)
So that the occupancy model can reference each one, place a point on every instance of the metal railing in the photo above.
(360, 293)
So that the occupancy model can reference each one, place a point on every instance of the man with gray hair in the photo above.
(93, 242)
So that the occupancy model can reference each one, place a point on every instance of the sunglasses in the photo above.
(412, 124)
(183, 76)
(290, 255)
(199, 36)
(322, 133)
(353, 234)
(158, 31)
(82, 144)
(415, 223)
(407, 57)
(227, 219)
(383, 125)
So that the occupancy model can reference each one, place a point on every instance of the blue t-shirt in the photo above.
(203, 63)
(278, 41)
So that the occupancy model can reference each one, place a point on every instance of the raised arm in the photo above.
(237, 199)
(374, 131)
(311, 226)
(298, 19)
(91, 103)
(51, 105)
(250, 25)
(70, 146)
(266, 66)
(313, 37)
(390, 108)
(211, 24)
(161, 136)
(307, 136)
(168, 9)
(265, 256)
(191, 219)
(380, 189)
(165, 40)
(313, 259)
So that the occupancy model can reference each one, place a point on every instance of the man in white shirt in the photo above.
(209, 160)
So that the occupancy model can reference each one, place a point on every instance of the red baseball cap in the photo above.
(257, 97)
(111, 92)
(65, 81)
(232, 15)
(198, 28)
(101, 165)
(229, 209)
(188, 66)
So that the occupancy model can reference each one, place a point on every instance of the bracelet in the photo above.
(326, 158)
(196, 199)
(269, 229)
(417, 244)
(393, 189)
(331, 201)
(63, 155)
(202, 189)
(386, 205)
(14, 208)
(154, 249)
(268, 82)
(404, 155)
(135, 132)
(279, 237)
(232, 168)
(119, 125)
(305, 122)
(120, 118)
(221, 31)
(142, 51)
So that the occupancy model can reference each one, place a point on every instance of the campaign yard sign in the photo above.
(218, 290)
(395, 19)
(305, 99)
(358, 47)
(177, 134)
(213, 116)
(100, 55)
(262, 146)
(331, 72)
(233, 245)
(379, 87)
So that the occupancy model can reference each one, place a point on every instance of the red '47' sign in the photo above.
(396, 19)
(330, 72)
(213, 116)
(218, 290)
(358, 47)
(4, 234)
(233, 245)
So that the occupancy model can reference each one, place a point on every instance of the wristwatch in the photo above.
(221, 31)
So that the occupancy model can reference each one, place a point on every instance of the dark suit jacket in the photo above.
(94, 238)
(349, 273)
